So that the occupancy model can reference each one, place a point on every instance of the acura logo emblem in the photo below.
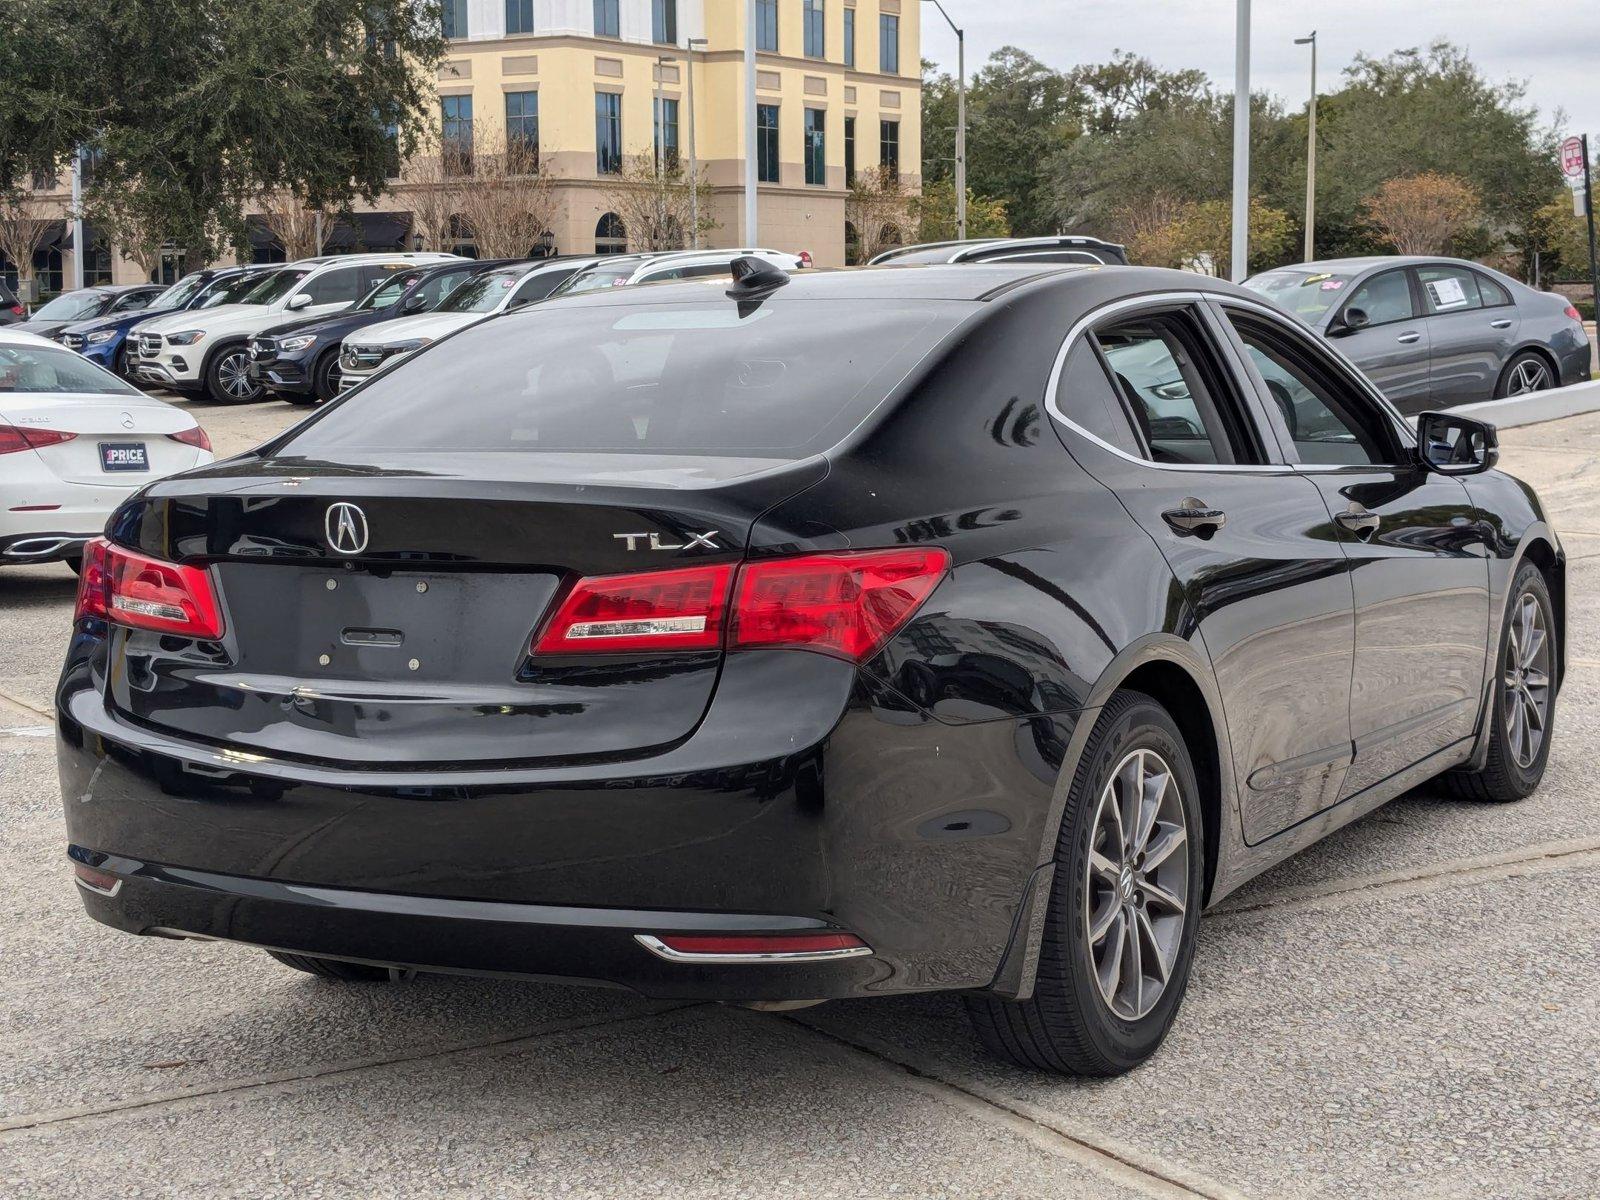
(346, 527)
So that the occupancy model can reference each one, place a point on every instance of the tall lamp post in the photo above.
(694, 169)
(961, 121)
(1239, 251)
(750, 122)
(1311, 149)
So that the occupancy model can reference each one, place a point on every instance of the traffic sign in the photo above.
(1572, 158)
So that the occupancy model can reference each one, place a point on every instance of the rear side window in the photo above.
(1449, 289)
(1494, 296)
(1087, 398)
(778, 380)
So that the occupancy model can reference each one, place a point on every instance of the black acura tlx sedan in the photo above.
(925, 628)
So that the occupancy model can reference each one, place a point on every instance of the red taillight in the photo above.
(805, 258)
(195, 437)
(14, 438)
(659, 610)
(18, 311)
(1573, 314)
(846, 604)
(131, 589)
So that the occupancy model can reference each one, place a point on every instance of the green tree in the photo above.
(935, 213)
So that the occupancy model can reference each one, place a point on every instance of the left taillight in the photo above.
(14, 438)
(140, 592)
(195, 437)
(847, 605)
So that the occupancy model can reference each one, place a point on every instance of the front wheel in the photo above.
(1125, 900)
(1522, 699)
(1527, 372)
(228, 377)
(325, 376)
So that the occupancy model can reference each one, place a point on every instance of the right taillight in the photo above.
(141, 592)
(1573, 314)
(14, 439)
(847, 604)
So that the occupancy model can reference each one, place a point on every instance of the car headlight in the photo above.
(187, 338)
(298, 343)
(101, 338)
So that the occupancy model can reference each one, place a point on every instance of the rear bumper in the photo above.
(42, 547)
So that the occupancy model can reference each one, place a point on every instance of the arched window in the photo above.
(890, 236)
(609, 235)
(459, 235)
(97, 264)
(852, 245)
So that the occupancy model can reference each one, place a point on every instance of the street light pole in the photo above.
(1311, 149)
(961, 121)
(1239, 252)
(77, 218)
(750, 235)
(694, 169)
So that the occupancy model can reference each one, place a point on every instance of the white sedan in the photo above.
(75, 442)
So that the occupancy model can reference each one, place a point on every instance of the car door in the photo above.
(1380, 328)
(1418, 552)
(1468, 343)
(1261, 586)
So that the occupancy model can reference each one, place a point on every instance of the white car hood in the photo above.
(432, 326)
(224, 318)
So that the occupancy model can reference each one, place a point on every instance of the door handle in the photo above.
(1502, 323)
(1359, 521)
(1409, 337)
(1195, 516)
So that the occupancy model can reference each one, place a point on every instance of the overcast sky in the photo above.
(1555, 48)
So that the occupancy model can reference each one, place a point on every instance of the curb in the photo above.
(1537, 407)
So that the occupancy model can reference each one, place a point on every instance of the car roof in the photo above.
(972, 248)
(426, 257)
(1367, 262)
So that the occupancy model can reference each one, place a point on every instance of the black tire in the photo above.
(124, 368)
(324, 378)
(223, 385)
(1527, 372)
(1503, 778)
(332, 968)
(1068, 1025)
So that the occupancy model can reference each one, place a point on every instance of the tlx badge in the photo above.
(653, 541)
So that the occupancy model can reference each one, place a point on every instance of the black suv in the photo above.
(299, 361)
(1059, 248)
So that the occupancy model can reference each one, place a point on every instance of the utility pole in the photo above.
(1311, 150)
(694, 169)
(750, 122)
(78, 248)
(1239, 252)
(961, 121)
(1588, 213)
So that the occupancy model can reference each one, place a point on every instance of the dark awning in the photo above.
(59, 237)
(368, 231)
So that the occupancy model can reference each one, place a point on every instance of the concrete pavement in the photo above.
(1407, 1010)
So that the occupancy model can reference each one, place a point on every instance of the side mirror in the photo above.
(1349, 321)
(414, 302)
(296, 303)
(1453, 445)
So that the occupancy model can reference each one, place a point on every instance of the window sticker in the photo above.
(1446, 293)
(1332, 285)
(506, 283)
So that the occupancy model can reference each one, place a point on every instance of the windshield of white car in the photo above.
(1307, 294)
(47, 369)
(386, 292)
(483, 294)
(596, 279)
(180, 293)
(274, 287)
(229, 291)
(70, 305)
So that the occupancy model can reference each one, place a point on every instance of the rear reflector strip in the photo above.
(102, 882)
(757, 948)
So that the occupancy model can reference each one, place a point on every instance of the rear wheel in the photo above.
(1119, 932)
(1527, 372)
(228, 377)
(333, 968)
(1522, 702)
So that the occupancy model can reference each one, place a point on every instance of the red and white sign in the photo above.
(1572, 158)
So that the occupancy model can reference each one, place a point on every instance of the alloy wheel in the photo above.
(1137, 884)
(1525, 691)
(1529, 375)
(233, 373)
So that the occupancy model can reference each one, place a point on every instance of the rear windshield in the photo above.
(1307, 294)
(46, 369)
(779, 380)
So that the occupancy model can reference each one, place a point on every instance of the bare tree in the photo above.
(294, 225)
(25, 222)
(510, 203)
(436, 184)
(879, 210)
(1422, 214)
(657, 207)
(130, 222)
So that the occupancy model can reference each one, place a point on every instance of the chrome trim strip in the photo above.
(661, 950)
(40, 547)
(98, 891)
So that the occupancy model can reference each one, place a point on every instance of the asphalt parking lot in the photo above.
(1407, 1010)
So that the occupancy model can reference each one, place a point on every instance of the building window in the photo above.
(767, 25)
(849, 149)
(889, 146)
(814, 39)
(97, 264)
(849, 37)
(391, 151)
(45, 181)
(522, 130)
(767, 143)
(458, 233)
(519, 16)
(457, 116)
(607, 18)
(455, 18)
(609, 235)
(816, 154)
(889, 43)
(664, 22)
(667, 132)
(607, 133)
